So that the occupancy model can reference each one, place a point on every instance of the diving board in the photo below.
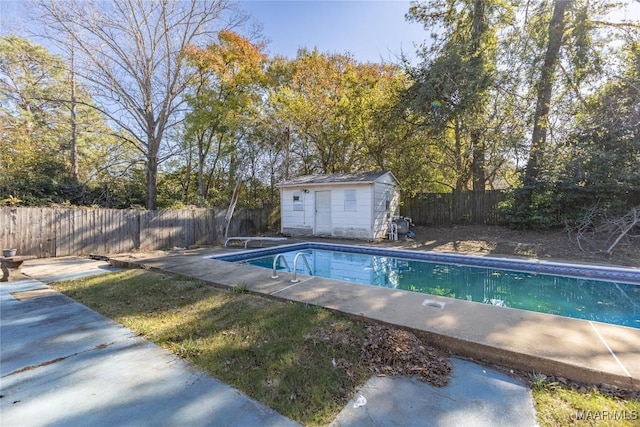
(251, 239)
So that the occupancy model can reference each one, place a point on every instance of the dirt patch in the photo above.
(37, 293)
(503, 241)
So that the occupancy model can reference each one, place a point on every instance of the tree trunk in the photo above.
(74, 120)
(287, 148)
(460, 174)
(477, 167)
(478, 29)
(187, 178)
(231, 208)
(201, 159)
(545, 86)
(152, 176)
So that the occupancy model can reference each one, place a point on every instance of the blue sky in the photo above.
(369, 30)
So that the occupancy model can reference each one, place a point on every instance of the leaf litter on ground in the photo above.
(388, 351)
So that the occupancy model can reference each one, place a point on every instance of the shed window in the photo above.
(350, 201)
(297, 202)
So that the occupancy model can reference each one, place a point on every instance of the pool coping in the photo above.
(578, 350)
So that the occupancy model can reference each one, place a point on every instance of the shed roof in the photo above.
(337, 178)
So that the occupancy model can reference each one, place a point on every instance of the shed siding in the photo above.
(381, 216)
(296, 222)
(353, 224)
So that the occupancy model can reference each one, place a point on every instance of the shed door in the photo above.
(323, 212)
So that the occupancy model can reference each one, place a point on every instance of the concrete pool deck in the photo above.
(578, 350)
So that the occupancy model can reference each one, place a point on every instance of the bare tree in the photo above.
(600, 234)
(129, 54)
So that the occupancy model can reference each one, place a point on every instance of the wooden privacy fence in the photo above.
(52, 232)
(454, 208)
(472, 207)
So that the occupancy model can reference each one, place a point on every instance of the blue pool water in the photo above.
(616, 302)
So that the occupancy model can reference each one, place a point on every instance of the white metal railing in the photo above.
(275, 265)
(295, 266)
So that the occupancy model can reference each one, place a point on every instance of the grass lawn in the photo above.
(561, 406)
(302, 361)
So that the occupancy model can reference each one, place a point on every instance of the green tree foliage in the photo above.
(333, 114)
(503, 96)
(227, 89)
(544, 87)
(391, 142)
(452, 87)
(35, 117)
(31, 113)
(567, 51)
(604, 162)
(317, 103)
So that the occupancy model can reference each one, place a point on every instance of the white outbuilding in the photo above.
(354, 205)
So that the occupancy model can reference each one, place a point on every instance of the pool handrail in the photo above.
(275, 261)
(295, 266)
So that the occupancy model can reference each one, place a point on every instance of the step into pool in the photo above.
(604, 294)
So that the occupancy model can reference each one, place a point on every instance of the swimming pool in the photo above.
(605, 294)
